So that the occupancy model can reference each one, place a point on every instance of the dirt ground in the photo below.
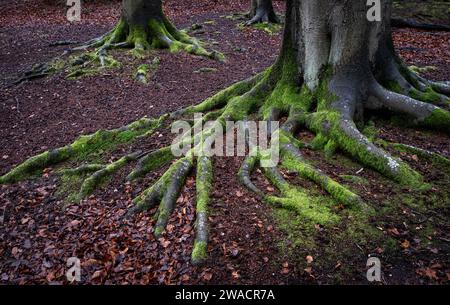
(250, 242)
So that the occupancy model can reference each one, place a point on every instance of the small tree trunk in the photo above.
(262, 11)
(143, 25)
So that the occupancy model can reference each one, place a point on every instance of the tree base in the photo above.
(272, 95)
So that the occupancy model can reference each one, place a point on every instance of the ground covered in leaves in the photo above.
(250, 243)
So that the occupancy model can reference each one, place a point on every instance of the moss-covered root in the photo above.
(102, 140)
(443, 88)
(297, 200)
(221, 98)
(348, 138)
(41, 70)
(151, 162)
(245, 172)
(409, 83)
(166, 191)
(425, 114)
(141, 74)
(293, 161)
(104, 173)
(430, 88)
(422, 153)
(204, 187)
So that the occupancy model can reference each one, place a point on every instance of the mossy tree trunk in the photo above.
(143, 26)
(349, 64)
(262, 11)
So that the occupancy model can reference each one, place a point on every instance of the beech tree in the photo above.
(262, 11)
(334, 65)
(142, 26)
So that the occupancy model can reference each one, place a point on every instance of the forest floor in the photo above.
(250, 242)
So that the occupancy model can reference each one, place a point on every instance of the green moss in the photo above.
(299, 202)
(420, 70)
(330, 148)
(319, 142)
(439, 119)
(151, 162)
(355, 179)
(337, 191)
(429, 96)
(393, 168)
(199, 252)
(286, 93)
(221, 98)
(96, 64)
(370, 131)
(141, 73)
(434, 157)
(268, 27)
(329, 243)
(393, 86)
(158, 231)
(203, 183)
(81, 148)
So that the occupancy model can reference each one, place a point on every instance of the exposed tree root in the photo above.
(405, 23)
(329, 110)
(158, 34)
(423, 153)
(82, 147)
(204, 189)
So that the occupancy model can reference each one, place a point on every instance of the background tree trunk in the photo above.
(143, 26)
(262, 11)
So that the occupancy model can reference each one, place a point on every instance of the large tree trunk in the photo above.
(350, 65)
(262, 11)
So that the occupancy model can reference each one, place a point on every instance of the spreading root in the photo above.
(273, 95)
(158, 34)
(94, 56)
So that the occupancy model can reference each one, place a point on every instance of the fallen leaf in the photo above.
(428, 272)
(393, 231)
(405, 244)
(207, 276)
(97, 274)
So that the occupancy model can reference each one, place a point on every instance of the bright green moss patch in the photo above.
(370, 131)
(268, 27)
(80, 149)
(311, 209)
(337, 191)
(331, 122)
(203, 183)
(199, 252)
(440, 119)
(429, 96)
(419, 70)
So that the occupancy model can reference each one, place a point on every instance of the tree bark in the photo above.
(262, 11)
